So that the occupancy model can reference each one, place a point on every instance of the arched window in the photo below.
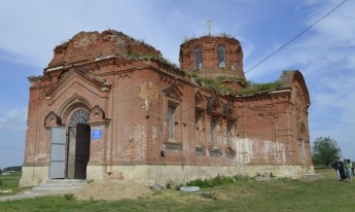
(221, 55)
(171, 121)
(79, 117)
(213, 131)
(198, 58)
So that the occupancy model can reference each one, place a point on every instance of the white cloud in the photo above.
(12, 129)
(14, 120)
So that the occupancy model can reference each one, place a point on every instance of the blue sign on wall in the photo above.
(96, 134)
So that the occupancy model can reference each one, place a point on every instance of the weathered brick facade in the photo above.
(151, 121)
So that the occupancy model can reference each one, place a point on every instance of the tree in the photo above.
(325, 150)
(12, 168)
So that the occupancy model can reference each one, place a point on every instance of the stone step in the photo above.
(52, 185)
(64, 183)
(65, 186)
(52, 190)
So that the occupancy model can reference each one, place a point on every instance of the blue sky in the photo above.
(325, 54)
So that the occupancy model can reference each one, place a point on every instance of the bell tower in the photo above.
(212, 56)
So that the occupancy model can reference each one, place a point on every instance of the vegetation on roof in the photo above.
(169, 63)
(232, 79)
(217, 84)
(63, 43)
(188, 38)
(115, 32)
(141, 56)
(253, 88)
(222, 34)
(225, 35)
(138, 56)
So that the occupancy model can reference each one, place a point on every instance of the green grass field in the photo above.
(245, 194)
(10, 182)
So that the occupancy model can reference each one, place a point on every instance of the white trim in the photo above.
(105, 57)
(54, 68)
(281, 91)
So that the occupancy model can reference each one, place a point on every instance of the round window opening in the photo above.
(79, 117)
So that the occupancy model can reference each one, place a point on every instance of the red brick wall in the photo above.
(209, 45)
(267, 127)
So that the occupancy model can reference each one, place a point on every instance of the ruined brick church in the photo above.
(111, 107)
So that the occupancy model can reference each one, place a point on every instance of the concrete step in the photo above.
(65, 186)
(53, 190)
(63, 183)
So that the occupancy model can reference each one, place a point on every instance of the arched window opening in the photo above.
(213, 131)
(79, 117)
(171, 121)
(198, 58)
(221, 55)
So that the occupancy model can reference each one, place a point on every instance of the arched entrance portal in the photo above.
(78, 145)
(70, 148)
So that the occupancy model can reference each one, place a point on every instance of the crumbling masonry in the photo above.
(111, 107)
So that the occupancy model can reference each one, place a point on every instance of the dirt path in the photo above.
(111, 190)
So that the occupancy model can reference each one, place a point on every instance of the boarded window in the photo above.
(221, 55)
(171, 121)
(198, 58)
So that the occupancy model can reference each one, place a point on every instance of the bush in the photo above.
(168, 185)
(239, 177)
(69, 197)
(177, 187)
(216, 181)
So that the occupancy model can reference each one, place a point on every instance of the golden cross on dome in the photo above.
(209, 26)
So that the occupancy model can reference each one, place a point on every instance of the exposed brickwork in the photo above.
(209, 45)
(91, 46)
(126, 87)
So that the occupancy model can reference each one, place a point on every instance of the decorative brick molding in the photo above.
(52, 120)
(173, 145)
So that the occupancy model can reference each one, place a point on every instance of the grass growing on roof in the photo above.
(253, 88)
(217, 83)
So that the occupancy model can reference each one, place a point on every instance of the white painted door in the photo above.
(58, 153)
